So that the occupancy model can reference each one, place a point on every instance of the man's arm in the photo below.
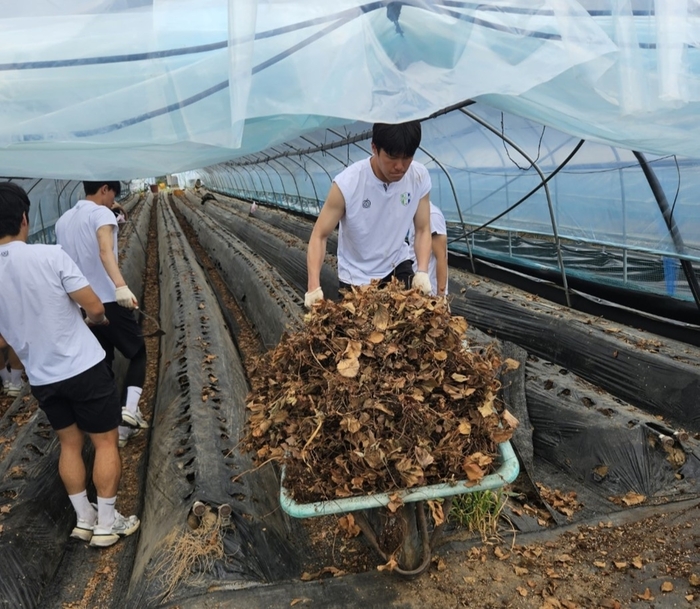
(3, 343)
(422, 239)
(91, 304)
(331, 213)
(105, 240)
(439, 245)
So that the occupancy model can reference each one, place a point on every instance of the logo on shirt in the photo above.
(5, 253)
(405, 198)
(366, 203)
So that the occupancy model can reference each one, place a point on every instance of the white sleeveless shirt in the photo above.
(372, 233)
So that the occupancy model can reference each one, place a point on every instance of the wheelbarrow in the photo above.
(416, 547)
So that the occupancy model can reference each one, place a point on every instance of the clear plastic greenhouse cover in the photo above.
(131, 88)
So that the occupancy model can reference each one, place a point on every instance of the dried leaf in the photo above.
(436, 512)
(349, 367)
(511, 364)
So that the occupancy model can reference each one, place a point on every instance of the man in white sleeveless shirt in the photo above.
(375, 201)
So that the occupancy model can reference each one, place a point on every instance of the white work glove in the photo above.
(125, 298)
(421, 281)
(311, 298)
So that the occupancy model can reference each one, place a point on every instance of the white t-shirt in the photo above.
(372, 233)
(437, 227)
(38, 318)
(76, 232)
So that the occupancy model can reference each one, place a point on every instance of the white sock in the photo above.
(132, 398)
(82, 506)
(124, 431)
(106, 512)
(4, 374)
(15, 376)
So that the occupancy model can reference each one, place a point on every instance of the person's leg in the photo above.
(97, 411)
(107, 469)
(16, 369)
(71, 467)
(4, 369)
(134, 380)
(111, 525)
(106, 473)
(126, 335)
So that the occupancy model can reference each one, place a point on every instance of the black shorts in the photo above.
(89, 399)
(403, 273)
(122, 332)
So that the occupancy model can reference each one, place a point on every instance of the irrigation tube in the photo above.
(658, 191)
(506, 139)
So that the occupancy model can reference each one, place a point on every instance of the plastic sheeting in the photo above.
(127, 88)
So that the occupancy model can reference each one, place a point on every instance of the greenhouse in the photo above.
(562, 146)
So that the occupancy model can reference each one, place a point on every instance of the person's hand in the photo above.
(312, 297)
(125, 298)
(120, 213)
(102, 321)
(421, 281)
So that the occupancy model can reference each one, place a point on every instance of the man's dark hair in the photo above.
(400, 140)
(14, 203)
(91, 188)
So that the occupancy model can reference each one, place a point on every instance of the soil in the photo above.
(645, 557)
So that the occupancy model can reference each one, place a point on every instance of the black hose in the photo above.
(658, 191)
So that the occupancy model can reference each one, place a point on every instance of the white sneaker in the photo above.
(103, 537)
(126, 435)
(134, 419)
(13, 390)
(84, 528)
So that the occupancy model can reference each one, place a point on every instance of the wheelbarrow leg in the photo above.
(414, 552)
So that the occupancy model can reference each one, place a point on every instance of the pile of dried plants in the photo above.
(377, 393)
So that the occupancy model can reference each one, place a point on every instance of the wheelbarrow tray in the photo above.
(505, 474)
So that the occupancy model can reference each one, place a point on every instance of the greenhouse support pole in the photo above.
(263, 166)
(660, 197)
(555, 232)
(323, 151)
(259, 196)
(298, 164)
(294, 180)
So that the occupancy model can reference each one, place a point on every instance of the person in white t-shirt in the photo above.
(375, 201)
(40, 319)
(437, 268)
(88, 233)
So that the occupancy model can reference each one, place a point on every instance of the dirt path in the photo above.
(87, 577)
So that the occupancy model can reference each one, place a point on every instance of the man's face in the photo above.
(390, 168)
(105, 196)
(108, 197)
